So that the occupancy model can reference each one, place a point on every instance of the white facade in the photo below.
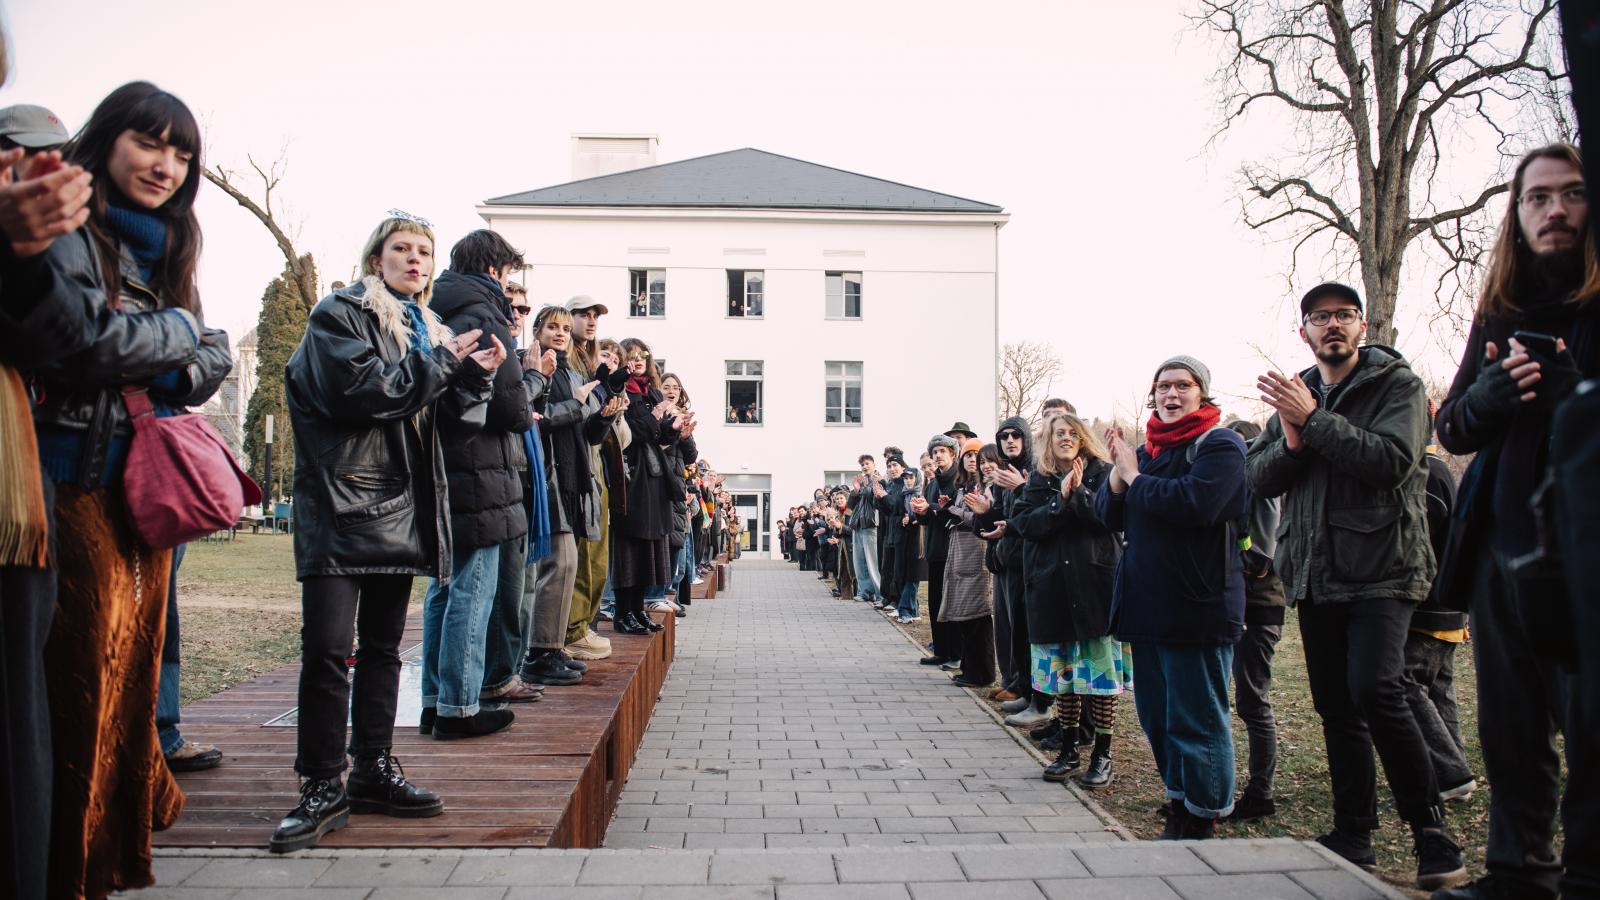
(926, 338)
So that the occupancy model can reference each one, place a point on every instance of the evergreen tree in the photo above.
(278, 331)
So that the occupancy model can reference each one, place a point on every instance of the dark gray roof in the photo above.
(745, 179)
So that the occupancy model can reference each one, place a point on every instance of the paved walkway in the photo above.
(800, 753)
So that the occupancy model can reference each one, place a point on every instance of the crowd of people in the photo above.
(542, 489)
(1055, 555)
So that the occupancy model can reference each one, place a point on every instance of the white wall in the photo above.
(926, 338)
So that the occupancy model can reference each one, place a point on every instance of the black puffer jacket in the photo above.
(486, 504)
(1069, 558)
(370, 495)
(135, 344)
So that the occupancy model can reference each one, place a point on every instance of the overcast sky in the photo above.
(1087, 121)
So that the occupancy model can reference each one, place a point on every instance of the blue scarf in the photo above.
(419, 323)
(143, 233)
(539, 509)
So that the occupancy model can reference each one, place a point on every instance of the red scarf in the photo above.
(1159, 435)
(637, 384)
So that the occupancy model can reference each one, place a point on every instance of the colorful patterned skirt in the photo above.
(1100, 666)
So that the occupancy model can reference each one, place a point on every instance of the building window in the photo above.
(842, 395)
(746, 290)
(837, 477)
(647, 293)
(844, 295)
(744, 392)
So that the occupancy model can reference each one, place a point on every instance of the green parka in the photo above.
(1354, 518)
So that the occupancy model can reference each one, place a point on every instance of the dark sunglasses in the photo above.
(1010, 434)
(521, 310)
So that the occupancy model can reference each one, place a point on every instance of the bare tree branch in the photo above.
(304, 274)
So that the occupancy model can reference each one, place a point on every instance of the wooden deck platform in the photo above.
(551, 780)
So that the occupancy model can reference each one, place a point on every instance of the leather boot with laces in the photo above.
(1098, 774)
(1177, 816)
(1066, 763)
(379, 785)
(323, 807)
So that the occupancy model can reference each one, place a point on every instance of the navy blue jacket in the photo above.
(1180, 580)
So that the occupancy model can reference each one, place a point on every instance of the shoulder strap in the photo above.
(1189, 453)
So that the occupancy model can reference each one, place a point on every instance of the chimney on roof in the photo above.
(602, 154)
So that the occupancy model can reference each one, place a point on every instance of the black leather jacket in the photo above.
(131, 345)
(366, 414)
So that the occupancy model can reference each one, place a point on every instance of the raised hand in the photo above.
(1008, 478)
(490, 358)
(995, 533)
(463, 344)
(48, 200)
(978, 502)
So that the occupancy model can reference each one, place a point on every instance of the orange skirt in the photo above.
(103, 662)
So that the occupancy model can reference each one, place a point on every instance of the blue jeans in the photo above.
(608, 597)
(684, 559)
(908, 600)
(167, 691)
(1182, 701)
(510, 619)
(864, 555)
(455, 619)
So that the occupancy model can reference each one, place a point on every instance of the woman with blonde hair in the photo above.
(375, 378)
(1069, 560)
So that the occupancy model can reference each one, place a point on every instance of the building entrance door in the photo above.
(754, 509)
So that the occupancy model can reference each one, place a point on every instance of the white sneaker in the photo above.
(1461, 791)
(1028, 718)
(591, 637)
(697, 580)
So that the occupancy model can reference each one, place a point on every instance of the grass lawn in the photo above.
(239, 605)
(1302, 792)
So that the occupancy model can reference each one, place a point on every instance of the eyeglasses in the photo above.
(1573, 198)
(1345, 316)
(522, 310)
(1010, 435)
(402, 214)
(1171, 387)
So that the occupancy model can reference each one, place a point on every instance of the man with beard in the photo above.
(1532, 340)
(1346, 452)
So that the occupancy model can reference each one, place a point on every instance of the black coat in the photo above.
(485, 465)
(937, 522)
(1008, 550)
(1069, 558)
(649, 515)
(370, 495)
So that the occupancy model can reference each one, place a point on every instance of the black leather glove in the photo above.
(1494, 397)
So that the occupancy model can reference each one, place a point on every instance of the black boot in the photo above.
(429, 713)
(378, 785)
(1355, 846)
(486, 721)
(1041, 732)
(1197, 828)
(643, 618)
(1098, 774)
(1066, 763)
(623, 623)
(323, 807)
(545, 667)
(1438, 859)
(1488, 888)
(1177, 818)
(573, 664)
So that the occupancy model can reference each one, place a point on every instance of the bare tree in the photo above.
(1027, 370)
(1382, 93)
(300, 267)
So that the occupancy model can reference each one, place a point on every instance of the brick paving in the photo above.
(798, 752)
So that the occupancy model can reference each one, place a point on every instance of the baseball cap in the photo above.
(584, 301)
(1329, 289)
(32, 126)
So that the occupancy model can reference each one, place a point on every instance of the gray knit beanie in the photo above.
(1202, 375)
(942, 440)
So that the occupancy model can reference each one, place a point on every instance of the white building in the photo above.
(813, 314)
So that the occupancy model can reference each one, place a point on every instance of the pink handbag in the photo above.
(180, 481)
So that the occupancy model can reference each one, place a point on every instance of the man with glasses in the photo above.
(1533, 339)
(1346, 452)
